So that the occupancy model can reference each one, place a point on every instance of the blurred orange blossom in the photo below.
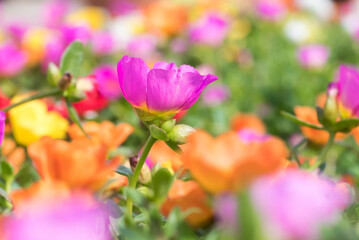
(186, 196)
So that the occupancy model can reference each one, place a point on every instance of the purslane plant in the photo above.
(340, 112)
(156, 95)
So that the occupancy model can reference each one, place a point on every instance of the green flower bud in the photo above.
(331, 109)
(168, 125)
(53, 75)
(180, 133)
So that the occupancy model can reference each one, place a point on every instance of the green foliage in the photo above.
(72, 59)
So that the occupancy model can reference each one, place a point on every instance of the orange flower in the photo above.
(165, 17)
(242, 121)
(38, 194)
(80, 164)
(309, 114)
(227, 163)
(185, 196)
(13, 154)
(321, 99)
(162, 154)
(106, 132)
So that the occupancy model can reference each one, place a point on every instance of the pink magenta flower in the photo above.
(2, 126)
(313, 56)
(72, 219)
(215, 95)
(210, 30)
(164, 90)
(226, 211)
(12, 60)
(348, 87)
(249, 135)
(54, 12)
(142, 46)
(271, 9)
(295, 204)
(108, 85)
(102, 43)
(71, 33)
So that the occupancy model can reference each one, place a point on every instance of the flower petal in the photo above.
(132, 75)
(165, 66)
(174, 91)
(348, 88)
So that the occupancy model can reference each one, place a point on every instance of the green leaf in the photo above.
(72, 59)
(345, 125)
(174, 147)
(74, 116)
(4, 194)
(134, 195)
(158, 133)
(6, 170)
(124, 171)
(248, 219)
(300, 122)
(161, 182)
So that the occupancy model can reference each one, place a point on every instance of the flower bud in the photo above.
(331, 105)
(145, 175)
(65, 81)
(168, 125)
(180, 133)
(53, 74)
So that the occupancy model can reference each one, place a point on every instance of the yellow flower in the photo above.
(34, 43)
(32, 120)
(93, 17)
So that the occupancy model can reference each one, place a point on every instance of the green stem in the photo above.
(323, 155)
(53, 92)
(133, 181)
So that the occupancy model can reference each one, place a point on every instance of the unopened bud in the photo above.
(180, 133)
(145, 175)
(65, 81)
(168, 125)
(331, 105)
(53, 74)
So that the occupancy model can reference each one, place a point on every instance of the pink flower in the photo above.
(142, 46)
(215, 95)
(226, 210)
(12, 60)
(271, 9)
(108, 85)
(248, 136)
(72, 219)
(313, 56)
(347, 87)
(71, 33)
(210, 30)
(162, 91)
(53, 51)
(295, 204)
(2, 126)
(178, 45)
(16, 31)
(54, 12)
(102, 43)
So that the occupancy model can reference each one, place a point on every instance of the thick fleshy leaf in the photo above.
(132, 75)
(348, 88)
